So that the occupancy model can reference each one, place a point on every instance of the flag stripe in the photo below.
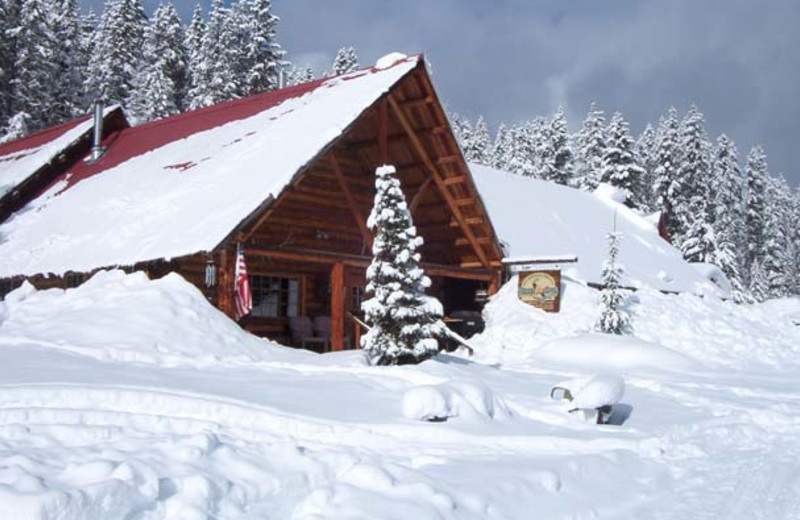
(243, 298)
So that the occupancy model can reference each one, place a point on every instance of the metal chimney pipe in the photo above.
(97, 139)
(281, 78)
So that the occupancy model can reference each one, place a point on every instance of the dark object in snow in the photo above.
(465, 323)
(593, 397)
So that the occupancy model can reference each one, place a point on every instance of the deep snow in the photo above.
(205, 421)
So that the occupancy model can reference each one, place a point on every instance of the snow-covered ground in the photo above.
(135, 399)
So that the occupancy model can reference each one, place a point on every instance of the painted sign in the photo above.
(541, 289)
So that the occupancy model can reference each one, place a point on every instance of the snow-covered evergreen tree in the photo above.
(475, 144)
(9, 28)
(692, 189)
(756, 173)
(299, 75)
(33, 87)
(729, 215)
(501, 149)
(759, 287)
(666, 171)
(118, 46)
(214, 77)
(405, 323)
(590, 148)
(259, 54)
(69, 100)
(557, 156)
(614, 317)
(645, 156)
(699, 243)
(345, 61)
(619, 164)
(18, 126)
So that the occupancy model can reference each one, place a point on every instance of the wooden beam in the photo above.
(383, 132)
(337, 306)
(437, 178)
(361, 221)
(225, 264)
(420, 193)
(323, 257)
(417, 101)
(458, 179)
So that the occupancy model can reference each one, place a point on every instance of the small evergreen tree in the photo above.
(345, 61)
(476, 143)
(18, 127)
(692, 188)
(501, 149)
(260, 55)
(299, 75)
(614, 317)
(405, 322)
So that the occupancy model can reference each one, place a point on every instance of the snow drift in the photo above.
(127, 317)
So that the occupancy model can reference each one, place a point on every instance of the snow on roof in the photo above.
(181, 185)
(22, 158)
(538, 218)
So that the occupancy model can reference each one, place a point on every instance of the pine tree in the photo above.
(591, 148)
(345, 61)
(9, 29)
(117, 49)
(699, 243)
(260, 55)
(69, 100)
(729, 215)
(666, 171)
(501, 149)
(614, 317)
(33, 88)
(759, 288)
(404, 321)
(299, 75)
(18, 126)
(692, 189)
(645, 156)
(162, 80)
(476, 145)
(756, 173)
(557, 159)
(619, 165)
(214, 77)
(195, 68)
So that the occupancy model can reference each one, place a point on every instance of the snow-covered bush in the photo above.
(405, 322)
(453, 399)
(614, 317)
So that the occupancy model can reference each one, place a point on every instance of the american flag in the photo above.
(243, 299)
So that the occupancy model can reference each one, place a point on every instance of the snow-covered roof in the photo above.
(538, 218)
(22, 158)
(182, 185)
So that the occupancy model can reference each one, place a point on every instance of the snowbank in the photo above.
(540, 219)
(609, 352)
(127, 317)
(670, 332)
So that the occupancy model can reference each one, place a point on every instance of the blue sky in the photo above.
(738, 60)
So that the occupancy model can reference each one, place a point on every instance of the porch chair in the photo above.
(303, 334)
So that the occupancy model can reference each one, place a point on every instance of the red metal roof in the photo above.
(40, 138)
(137, 140)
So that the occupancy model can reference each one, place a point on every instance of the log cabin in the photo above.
(287, 174)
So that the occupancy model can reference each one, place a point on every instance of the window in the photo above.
(275, 297)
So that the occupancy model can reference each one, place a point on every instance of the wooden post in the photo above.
(337, 306)
(225, 283)
(383, 132)
(496, 282)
